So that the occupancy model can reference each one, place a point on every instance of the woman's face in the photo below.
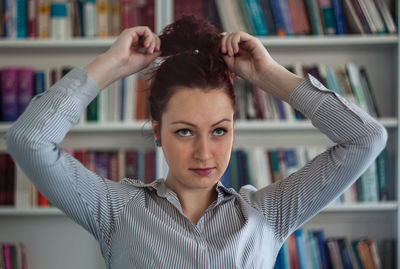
(197, 133)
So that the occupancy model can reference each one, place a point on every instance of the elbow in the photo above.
(16, 142)
(12, 143)
(379, 138)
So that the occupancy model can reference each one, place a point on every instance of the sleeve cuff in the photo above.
(308, 95)
(78, 84)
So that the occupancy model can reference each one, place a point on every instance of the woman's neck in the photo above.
(194, 202)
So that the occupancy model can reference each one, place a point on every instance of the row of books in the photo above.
(16, 190)
(304, 17)
(80, 18)
(255, 166)
(311, 249)
(261, 167)
(13, 255)
(102, 18)
(126, 100)
(350, 81)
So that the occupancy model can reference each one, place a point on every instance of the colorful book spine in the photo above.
(327, 16)
(32, 18)
(21, 19)
(257, 17)
(25, 88)
(9, 93)
(43, 26)
(338, 17)
(280, 24)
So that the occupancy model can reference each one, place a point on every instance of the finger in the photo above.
(235, 43)
(145, 33)
(229, 45)
(223, 42)
(158, 43)
(152, 44)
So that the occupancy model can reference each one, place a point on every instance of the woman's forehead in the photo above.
(195, 104)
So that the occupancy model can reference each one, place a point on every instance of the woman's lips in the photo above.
(202, 172)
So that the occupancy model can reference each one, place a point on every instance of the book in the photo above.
(327, 17)
(370, 97)
(268, 16)
(283, 5)
(352, 19)
(9, 93)
(298, 15)
(102, 18)
(185, 7)
(256, 16)
(314, 15)
(338, 17)
(385, 14)
(31, 18)
(278, 16)
(25, 89)
(355, 82)
(302, 250)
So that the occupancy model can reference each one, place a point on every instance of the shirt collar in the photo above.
(162, 190)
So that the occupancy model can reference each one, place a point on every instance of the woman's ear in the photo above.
(156, 127)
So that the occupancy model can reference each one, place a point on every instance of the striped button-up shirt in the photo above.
(142, 225)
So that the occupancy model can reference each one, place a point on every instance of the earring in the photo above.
(156, 143)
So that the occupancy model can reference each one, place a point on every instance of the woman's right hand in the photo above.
(125, 56)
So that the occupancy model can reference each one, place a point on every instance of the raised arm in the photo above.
(359, 138)
(33, 140)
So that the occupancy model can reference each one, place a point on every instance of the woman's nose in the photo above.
(202, 151)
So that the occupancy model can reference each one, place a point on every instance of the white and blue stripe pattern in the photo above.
(142, 226)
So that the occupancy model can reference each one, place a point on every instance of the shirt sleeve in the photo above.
(359, 138)
(33, 140)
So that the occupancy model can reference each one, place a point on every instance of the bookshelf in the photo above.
(58, 236)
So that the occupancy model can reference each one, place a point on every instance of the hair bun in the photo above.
(189, 34)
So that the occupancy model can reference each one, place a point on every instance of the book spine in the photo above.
(43, 23)
(338, 17)
(280, 25)
(32, 19)
(89, 11)
(327, 16)
(286, 17)
(3, 16)
(383, 180)
(11, 21)
(21, 22)
(268, 16)
(102, 11)
(9, 93)
(39, 82)
(25, 88)
(3, 180)
(257, 17)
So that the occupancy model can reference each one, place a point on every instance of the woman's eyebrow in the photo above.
(191, 124)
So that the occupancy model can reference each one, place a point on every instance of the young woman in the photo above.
(189, 219)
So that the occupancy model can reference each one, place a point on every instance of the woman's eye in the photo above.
(219, 132)
(183, 132)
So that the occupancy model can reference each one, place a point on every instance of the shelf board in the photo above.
(340, 208)
(254, 125)
(309, 40)
(4, 211)
(345, 40)
(362, 207)
(52, 43)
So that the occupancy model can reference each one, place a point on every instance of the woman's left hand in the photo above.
(246, 55)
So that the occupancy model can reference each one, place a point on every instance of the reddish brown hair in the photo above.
(184, 67)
